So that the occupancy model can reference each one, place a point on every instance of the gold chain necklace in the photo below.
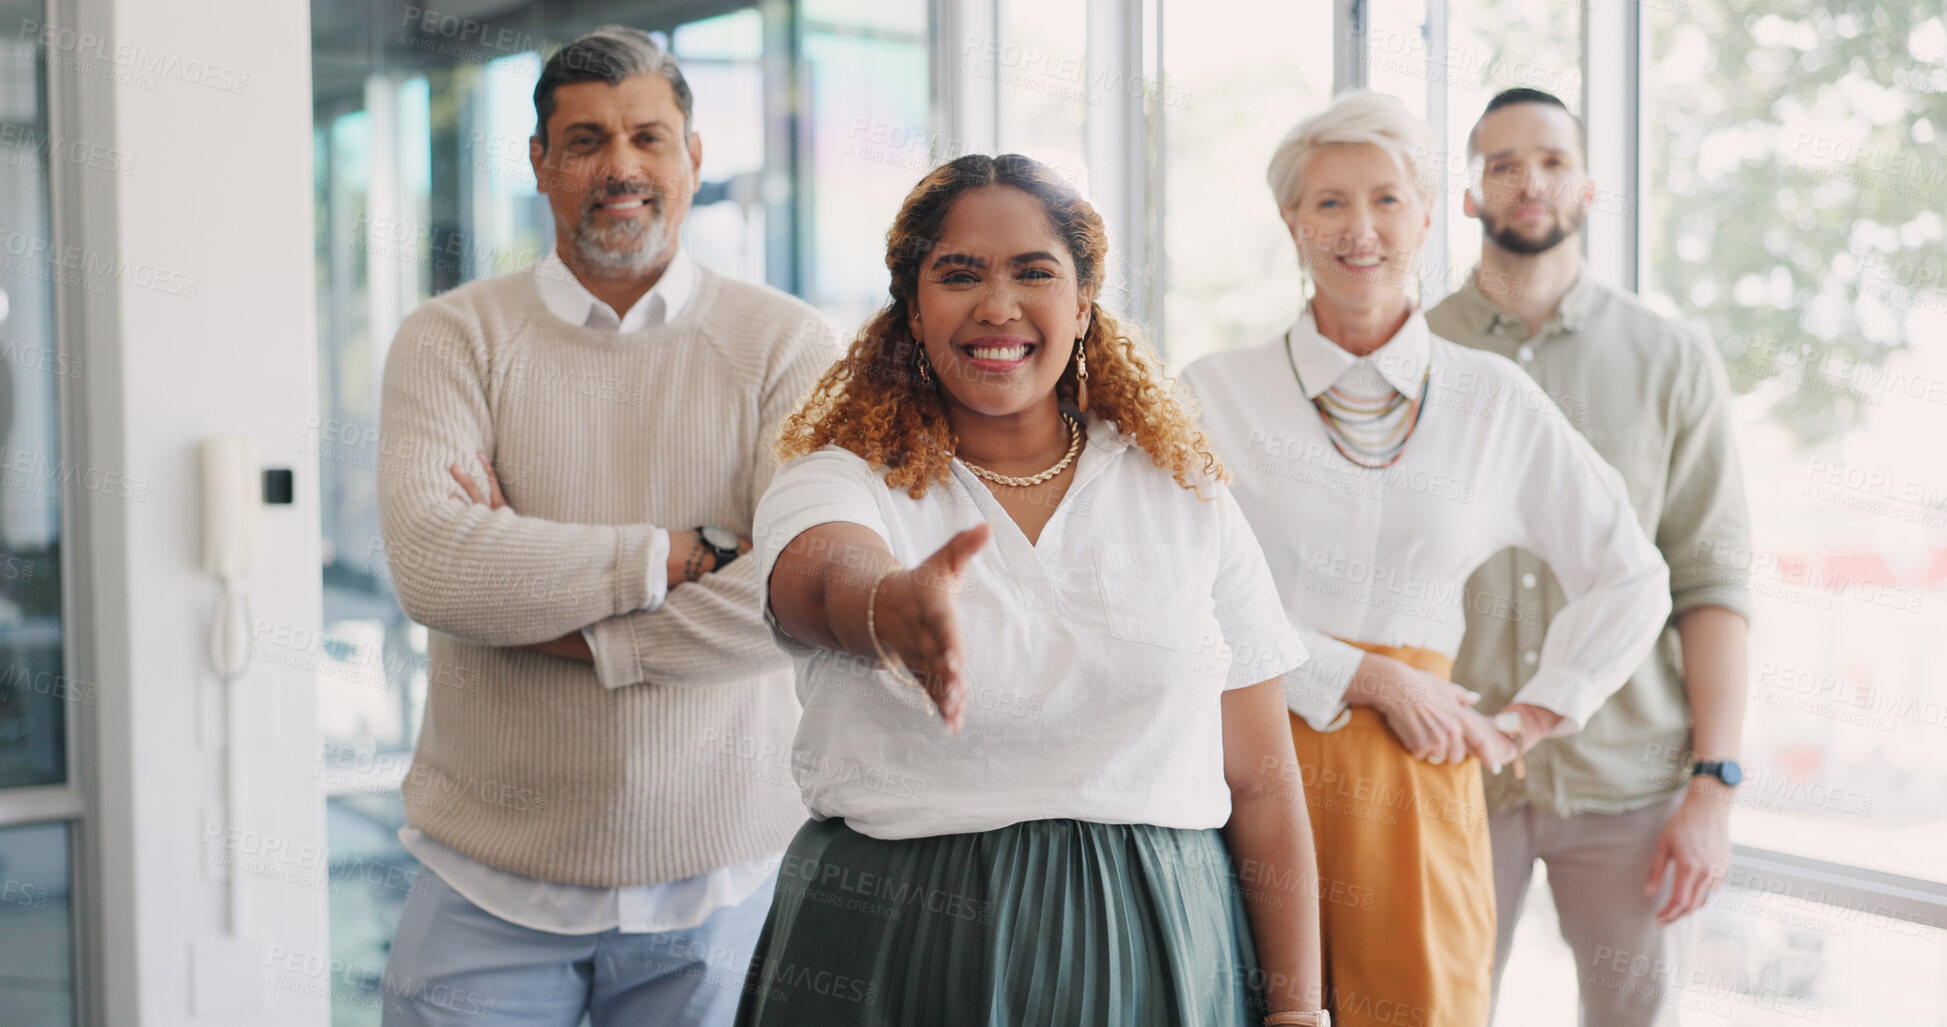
(1074, 447)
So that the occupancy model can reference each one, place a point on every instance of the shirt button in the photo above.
(1528, 580)
(1530, 657)
(1526, 353)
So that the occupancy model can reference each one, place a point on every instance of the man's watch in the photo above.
(720, 541)
(1726, 771)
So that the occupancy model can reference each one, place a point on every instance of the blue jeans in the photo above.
(453, 964)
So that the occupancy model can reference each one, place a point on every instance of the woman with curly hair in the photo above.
(997, 513)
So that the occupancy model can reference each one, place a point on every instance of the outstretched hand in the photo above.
(918, 621)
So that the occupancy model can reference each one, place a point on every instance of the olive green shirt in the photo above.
(1653, 399)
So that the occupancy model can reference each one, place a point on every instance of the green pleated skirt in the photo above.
(1044, 922)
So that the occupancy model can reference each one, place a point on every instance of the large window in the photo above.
(867, 139)
(40, 703)
(1232, 274)
(1794, 209)
(1793, 199)
(1042, 84)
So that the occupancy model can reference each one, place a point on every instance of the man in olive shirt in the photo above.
(1632, 815)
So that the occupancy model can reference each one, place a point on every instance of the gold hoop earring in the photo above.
(1081, 375)
(922, 365)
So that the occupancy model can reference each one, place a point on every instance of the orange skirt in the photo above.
(1406, 875)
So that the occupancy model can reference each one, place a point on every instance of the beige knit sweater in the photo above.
(675, 759)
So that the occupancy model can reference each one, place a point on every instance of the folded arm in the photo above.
(710, 629)
(486, 575)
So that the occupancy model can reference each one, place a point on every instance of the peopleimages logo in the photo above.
(90, 268)
(69, 48)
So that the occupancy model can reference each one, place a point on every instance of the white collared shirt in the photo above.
(1382, 556)
(566, 298)
(1097, 655)
(1401, 361)
(579, 909)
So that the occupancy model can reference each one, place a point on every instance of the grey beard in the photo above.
(1514, 242)
(621, 248)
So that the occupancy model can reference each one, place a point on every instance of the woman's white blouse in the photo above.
(1096, 657)
(1383, 556)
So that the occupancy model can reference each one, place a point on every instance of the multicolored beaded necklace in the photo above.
(1371, 434)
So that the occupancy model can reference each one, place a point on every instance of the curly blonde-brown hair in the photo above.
(874, 402)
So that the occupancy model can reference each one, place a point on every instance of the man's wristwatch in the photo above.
(722, 542)
(1726, 771)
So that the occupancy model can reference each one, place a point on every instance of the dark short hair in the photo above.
(608, 54)
(1523, 94)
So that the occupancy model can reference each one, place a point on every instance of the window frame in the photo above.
(72, 802)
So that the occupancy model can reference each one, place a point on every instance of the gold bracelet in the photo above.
(1299, 1018)
(897, 668)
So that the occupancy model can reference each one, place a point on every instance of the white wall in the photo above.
(207, 329)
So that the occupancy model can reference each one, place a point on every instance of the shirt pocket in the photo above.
(1155, 594)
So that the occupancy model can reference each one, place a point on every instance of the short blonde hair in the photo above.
(1359, 116)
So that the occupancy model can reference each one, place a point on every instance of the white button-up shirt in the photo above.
(1382, 556)
(566, 298)
(578, 909)
(1097, 656)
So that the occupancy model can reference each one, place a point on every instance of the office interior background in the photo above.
(216, 215)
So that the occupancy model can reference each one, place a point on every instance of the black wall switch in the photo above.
(277, 486)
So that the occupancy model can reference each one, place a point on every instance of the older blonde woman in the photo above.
(1379, 465)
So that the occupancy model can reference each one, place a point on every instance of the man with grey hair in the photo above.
(602, 806)
(1631, 815)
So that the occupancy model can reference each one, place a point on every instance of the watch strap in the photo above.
(723, 556)
(1719, 769)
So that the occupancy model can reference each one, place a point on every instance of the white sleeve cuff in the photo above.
(613, 646)
(1316, 690)
(1573, 696)
(658, 570)
(1251, 664)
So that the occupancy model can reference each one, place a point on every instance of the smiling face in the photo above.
(617, 173)
(1358, 224)
(1533, 188)
(998, 304)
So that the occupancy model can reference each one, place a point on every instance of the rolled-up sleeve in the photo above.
(1316, 690)
(1577, 516)
(1705, 530)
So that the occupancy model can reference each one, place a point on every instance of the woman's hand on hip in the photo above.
(1424, 711)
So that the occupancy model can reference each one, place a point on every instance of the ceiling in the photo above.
(350, 39)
